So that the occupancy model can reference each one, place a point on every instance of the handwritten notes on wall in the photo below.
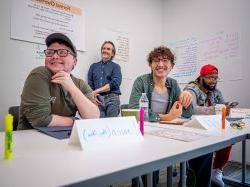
(33, 20)
(122, 55)
(221, 49)
(39, 54)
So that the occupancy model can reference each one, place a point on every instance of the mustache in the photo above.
(105, 53)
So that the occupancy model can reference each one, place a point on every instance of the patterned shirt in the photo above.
(204, 102)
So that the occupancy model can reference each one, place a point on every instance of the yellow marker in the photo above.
(8, 137)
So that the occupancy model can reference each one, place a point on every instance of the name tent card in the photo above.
(240, 112)
(105, 132)
(206, 122)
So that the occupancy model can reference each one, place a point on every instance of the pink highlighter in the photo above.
(142, 121)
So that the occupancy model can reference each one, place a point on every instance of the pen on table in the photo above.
(8, 137)
(223, 117)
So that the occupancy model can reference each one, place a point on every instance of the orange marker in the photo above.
(177, 106)
(223, 117)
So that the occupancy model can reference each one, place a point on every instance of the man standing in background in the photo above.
(105, 78)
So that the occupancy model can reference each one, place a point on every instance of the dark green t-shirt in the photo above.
(41, 98)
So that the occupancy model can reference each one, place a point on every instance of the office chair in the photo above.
(14, 110)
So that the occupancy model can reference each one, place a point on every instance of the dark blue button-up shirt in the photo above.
(101, 73)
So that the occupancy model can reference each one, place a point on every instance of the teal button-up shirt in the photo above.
(145, 84)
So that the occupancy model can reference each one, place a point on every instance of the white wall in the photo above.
(149, 24)
(194, 17)
(141, 19)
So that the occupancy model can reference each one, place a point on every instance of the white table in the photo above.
(40, 160)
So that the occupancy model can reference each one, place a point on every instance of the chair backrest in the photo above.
(14, 110)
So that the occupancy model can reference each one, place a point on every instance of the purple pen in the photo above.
(142, 121)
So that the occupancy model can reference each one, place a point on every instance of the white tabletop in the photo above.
(40, 160)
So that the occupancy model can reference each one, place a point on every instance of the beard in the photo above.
(208, 87)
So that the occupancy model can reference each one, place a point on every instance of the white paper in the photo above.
(240, 112)
(177, 134)
(222, 48)
(206, 122)
(34, 20)
(105, 132)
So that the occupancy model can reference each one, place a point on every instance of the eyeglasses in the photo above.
(164, 60)
(59, 52)
(212, 78)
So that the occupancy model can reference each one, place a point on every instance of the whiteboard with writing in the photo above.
(105, 132)
(34, 20)
(221, 49)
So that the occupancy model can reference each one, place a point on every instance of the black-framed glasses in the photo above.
(59, 52)
(164, 60)
(212, 78)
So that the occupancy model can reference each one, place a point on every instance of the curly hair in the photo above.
(163, 52)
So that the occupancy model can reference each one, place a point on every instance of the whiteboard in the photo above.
(221, 49)
(34, 20)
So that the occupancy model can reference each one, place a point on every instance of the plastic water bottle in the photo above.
(143, 103)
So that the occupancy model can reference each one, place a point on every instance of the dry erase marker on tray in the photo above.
(8, 137)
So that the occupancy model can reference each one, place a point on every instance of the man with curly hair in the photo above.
(167, 102)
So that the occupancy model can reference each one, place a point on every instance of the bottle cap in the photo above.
(9, 122)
